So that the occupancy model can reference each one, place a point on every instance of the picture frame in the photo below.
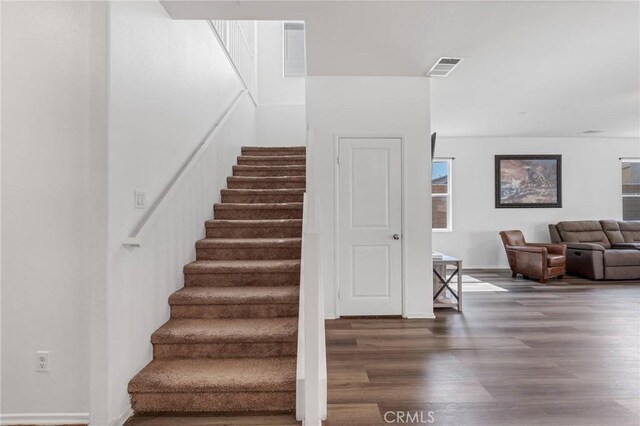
(528, 181)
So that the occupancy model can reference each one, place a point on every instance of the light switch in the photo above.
(140, 200)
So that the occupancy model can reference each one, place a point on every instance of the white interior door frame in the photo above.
(403, 214)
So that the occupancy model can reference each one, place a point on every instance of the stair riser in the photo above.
(266, 173)
(233, 279)
(257, 214)
(234, 311)
(273, 152)
(280, 198)
(224, 350)
(213, 402)
(290, 184)
(254, 232)
(276, 161)
(267, 253)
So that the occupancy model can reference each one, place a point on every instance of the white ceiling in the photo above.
(531, 68)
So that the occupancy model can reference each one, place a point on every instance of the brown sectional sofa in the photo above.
(600, 250)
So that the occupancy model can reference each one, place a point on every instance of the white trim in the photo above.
(336, 233)
(419, 316)
(336, 230)
(45, 418)
(122, 419)
(403, 227)
(501, 267)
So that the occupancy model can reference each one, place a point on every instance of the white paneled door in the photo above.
(370, 226)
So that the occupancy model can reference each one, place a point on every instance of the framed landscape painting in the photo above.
(528, 181)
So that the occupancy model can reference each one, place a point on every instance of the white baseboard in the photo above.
(427, 316)
(501, 267)
(45, 419)
(122, 418)
(420, 316)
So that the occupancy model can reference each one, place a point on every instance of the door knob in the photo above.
(396, 236)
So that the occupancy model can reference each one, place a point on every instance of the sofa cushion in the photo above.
(583, 231)
(555, 260)
(612, 231)
(621, 258)
(631, 246)
(630, 231)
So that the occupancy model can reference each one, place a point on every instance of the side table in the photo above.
(444, 281)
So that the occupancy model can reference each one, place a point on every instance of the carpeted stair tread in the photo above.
(268, 182)
(224, 330)
(270, 179)
(248, 242)
(257, 223)
(216, 375)
(254, 228)
(282, 191)
(249, 159)
(231, 341)
(274, 148)
(282, 195)
(235, 295)
(284, 167)
(270, 170)
(242, 266)
(272, 157)
(266, 150)
(258, 206)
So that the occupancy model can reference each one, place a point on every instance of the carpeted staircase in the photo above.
(230, 344)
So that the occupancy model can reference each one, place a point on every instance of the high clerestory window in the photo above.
(295, 64)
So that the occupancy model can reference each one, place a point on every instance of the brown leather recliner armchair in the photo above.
(542, 261)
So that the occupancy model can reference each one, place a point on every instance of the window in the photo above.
(441, 215)
(631, 189)
(293, 47)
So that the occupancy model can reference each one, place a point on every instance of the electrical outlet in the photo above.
(42, 361)
(139, 200)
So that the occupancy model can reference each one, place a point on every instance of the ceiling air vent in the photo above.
(443, 67)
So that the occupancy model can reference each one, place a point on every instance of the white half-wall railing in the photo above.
(311, 375)
(136, 237)
(238, 39)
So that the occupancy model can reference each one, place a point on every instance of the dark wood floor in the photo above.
(562, 353)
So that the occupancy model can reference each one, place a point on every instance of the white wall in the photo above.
(388, 106)
(53, 198)
(281, 111)
(86, 84)
(591, 189)
(282, 125)
(274, 88)
(170, 82)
